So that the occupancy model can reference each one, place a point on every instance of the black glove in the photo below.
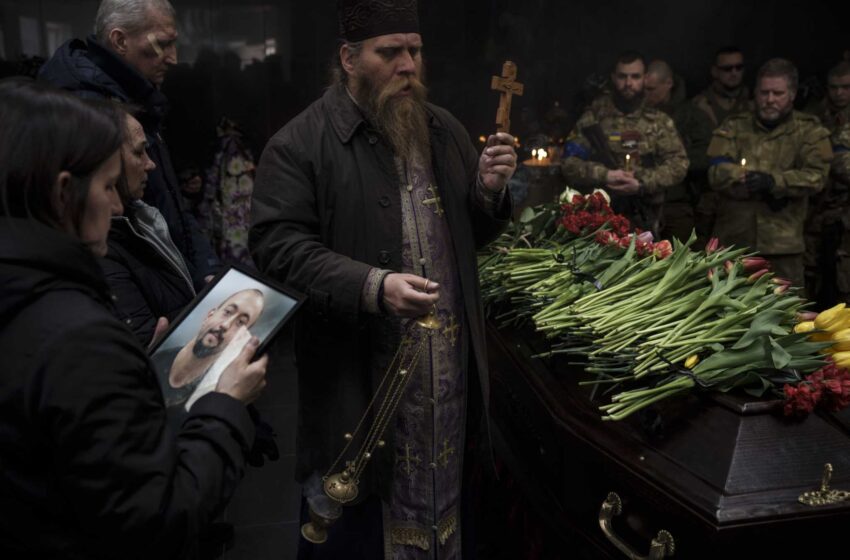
(759, 183)
(264, 443)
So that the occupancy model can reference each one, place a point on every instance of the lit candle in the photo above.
(743, 162)
(541, 154)
(482, 139)
(628, 162)
(534, 153)
(744, 167)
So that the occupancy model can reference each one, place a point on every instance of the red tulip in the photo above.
(806, 316)
(712, 245)
(755, 263)
(756, 275)
(663, 249)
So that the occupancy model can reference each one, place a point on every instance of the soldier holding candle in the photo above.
(626, 147)
(763, 199)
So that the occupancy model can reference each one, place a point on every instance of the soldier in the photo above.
(834, 110)
(763, 204)
(841, 183)
(666, 92)
(631, 150)
(825, 229)
(727, 93)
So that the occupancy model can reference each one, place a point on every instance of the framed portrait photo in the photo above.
(211, 332)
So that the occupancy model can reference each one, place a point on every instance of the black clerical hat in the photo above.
(362, 19)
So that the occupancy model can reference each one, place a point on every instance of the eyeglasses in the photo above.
(731, 67)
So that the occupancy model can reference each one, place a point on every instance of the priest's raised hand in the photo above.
(497, 162)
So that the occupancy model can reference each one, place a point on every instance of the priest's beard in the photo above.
(402, 120)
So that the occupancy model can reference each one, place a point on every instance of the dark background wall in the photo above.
(261, 62)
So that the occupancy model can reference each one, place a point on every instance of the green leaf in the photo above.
(780, 357)
(763, 324)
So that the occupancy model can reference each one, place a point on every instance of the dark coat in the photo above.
(88, 468)
(326, 210)
(147, 286)
(90, 70)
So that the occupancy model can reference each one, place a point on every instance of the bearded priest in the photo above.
(373, 202)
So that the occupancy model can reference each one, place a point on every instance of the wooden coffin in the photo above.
(721, 474)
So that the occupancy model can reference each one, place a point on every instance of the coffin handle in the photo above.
(662, 545)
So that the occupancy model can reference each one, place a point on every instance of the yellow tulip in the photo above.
(842, 335)
(805, 326)
(820, 337)
(692, 361)
(842, 359)
(841, 322)
(843, 346)
(826, 318)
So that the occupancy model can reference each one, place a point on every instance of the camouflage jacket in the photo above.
(796, 153)
(649, 136)
(841, 154)
(829, 116)
(718, 107)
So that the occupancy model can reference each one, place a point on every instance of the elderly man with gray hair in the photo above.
(126, 59)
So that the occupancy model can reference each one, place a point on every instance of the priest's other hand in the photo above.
(408, 295)
(497, 162)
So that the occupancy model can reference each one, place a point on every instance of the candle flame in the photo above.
(743, 162)
(482, 139)
(541, 154)
(534, 153)
(628, 157)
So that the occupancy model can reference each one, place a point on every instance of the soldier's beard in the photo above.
(772, 117)
(401, 119)
(630, 104)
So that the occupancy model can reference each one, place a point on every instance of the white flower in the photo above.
(567, 196)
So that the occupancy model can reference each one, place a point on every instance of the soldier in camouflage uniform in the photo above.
(727, 95)
(763, 205)
(827, 232)
(666, 91)
(620, 125)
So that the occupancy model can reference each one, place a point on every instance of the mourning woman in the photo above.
(144, 269)
(88, 468)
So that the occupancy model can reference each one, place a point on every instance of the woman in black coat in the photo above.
(88, 467)
(144, 269)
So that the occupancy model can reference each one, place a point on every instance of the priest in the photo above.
(373, 202)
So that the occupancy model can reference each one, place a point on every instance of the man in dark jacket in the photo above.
(373, 202)
(126, 59)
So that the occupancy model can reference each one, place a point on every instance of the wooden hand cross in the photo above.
(508, 86)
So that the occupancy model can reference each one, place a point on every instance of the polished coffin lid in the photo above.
(729, 459)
